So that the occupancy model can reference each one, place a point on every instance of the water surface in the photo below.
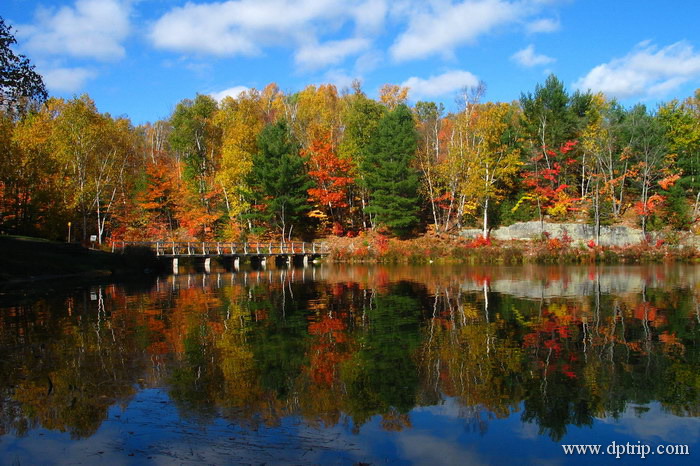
(342, 365)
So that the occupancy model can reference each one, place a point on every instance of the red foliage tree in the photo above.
(546, 181)
(332, 177)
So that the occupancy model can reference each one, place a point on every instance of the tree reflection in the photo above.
(65, 364)
(382, 377)
(359, 344)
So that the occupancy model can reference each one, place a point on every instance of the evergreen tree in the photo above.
(279, 180)
(360, 119)
(388, 173)
(548, 119)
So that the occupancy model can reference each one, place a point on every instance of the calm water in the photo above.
(341, 365)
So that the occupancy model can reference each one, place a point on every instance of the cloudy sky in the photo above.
(140, 57)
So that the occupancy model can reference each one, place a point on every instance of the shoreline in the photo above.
(33, 261)
(376, 248)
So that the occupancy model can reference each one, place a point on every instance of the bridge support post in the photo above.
(290, 260)
(306, 260)
(263, 262)
(236, 263)
(175, 266)
(207, 265)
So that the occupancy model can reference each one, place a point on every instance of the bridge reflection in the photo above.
(217, 280)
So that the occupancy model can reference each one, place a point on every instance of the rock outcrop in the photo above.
(609, 235)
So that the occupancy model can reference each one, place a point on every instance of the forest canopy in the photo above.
(322, 161)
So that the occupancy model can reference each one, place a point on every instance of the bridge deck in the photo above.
(225, 249)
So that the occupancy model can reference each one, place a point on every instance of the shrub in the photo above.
(479, 242)
(610, 256)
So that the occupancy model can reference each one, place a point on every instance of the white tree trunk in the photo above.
(486, 217)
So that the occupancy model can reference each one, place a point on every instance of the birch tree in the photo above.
(497, 160)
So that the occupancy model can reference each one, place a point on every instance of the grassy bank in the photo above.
(24, 258)
(377, 248)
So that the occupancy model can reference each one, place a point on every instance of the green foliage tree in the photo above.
(360, 118)
(681, 122)
(552, 123)
(279, 180)
(646, 143)
(547, 118)
(389, 175)
(429, 116)
(19, 83)
(196, 138)
(196, 141)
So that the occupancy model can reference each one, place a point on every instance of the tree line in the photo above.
(322, 161)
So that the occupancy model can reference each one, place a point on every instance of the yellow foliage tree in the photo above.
(240, 121)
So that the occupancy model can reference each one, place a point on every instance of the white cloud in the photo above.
(325, 33)
(339, 78)
(440, 28)
(66, 80)
(247, 27)
(89, 29)
(443, 84)
(234, 92)
(654, 424)
(368, 61)
(206, 28)
(528, 58)
(646, 71)
(419, 448)
(369, 15)
(543, 25)
(329, 53)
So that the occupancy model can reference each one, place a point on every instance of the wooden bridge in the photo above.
(254, 252)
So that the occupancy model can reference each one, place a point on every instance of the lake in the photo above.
(337, 364)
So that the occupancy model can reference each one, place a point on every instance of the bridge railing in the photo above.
(223, 248)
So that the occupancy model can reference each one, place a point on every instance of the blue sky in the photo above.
(140, 57)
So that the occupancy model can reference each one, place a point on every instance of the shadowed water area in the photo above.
(348, 364)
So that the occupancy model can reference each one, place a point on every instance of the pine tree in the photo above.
(279, 180)
(388, 173)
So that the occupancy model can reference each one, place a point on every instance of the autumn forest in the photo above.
(322, 161)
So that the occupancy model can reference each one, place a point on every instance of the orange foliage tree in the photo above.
(332, 177)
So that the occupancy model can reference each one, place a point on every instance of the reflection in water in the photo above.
(360, 349)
